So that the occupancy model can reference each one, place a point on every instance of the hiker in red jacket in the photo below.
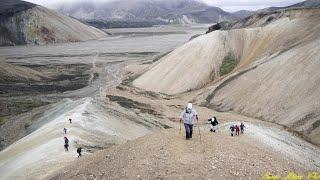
(237, 130)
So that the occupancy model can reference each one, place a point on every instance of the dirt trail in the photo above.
(167, 155)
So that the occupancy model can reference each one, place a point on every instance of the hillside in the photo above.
(95, 125)
(27, 23)
(147, 12)
(259, 71)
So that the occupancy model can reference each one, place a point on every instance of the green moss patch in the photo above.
(228, 64)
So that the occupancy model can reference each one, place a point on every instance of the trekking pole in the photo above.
(180, 127)
(199, 130)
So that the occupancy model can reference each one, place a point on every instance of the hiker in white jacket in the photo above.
(188, 116)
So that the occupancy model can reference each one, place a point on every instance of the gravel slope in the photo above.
(166, 155)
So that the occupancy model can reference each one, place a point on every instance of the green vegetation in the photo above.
(228, 64)
(316, 124)
(131, 104)
(161, 56)
(2, 120)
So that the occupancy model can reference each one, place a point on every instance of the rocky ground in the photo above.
(167, 155)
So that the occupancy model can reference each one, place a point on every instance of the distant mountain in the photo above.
(304, 4)
(308, 4)
(148, 11)
(243, 13)
(26, 23)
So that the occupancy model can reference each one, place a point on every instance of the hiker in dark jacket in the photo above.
(66, 147)
(79, 149)
(232, 128)
(65, 130)
(242, 128)
(214, 123)
(66, 144)
(66, 140)
(70, 120)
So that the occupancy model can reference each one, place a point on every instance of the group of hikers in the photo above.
(237, 128)
(189, 115)
(66, 141)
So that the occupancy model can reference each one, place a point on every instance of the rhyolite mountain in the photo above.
(27, 23)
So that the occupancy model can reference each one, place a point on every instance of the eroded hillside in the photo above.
(27, 23)
(269, 72)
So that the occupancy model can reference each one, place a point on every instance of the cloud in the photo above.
(228, 5)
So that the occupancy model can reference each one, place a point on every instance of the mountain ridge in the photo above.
(157, 12)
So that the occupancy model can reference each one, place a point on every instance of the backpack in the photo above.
(215, 121)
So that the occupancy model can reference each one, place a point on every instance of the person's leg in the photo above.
(186, 126)
(191, 129)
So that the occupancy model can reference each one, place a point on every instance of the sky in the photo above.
(227, 5)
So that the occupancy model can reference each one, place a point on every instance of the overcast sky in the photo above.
(227, 5)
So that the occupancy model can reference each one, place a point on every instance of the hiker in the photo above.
(79, 151)
(66, 146)
(65, 130)
(237, 130)
(188, 116)
(214, 122)
(242, 128)
(232, 129)
(70, 120)
(66, 140)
